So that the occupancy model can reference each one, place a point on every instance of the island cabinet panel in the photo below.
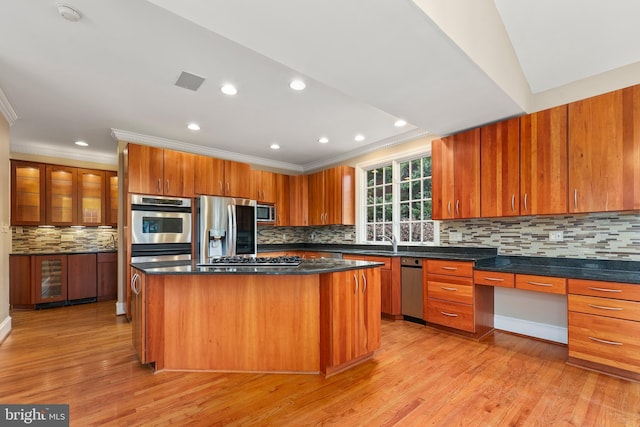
(390, 301)
(209, 176)
(456, 176)
(499, 167)
(604, 152)
(543, 162)
(350, 318)
(241, 323)
(82, 276)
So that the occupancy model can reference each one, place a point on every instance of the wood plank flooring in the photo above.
(82, 355)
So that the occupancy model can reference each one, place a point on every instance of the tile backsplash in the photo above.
(62, 239)
(334, 234)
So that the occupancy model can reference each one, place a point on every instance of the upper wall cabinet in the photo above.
(263, 186)
(500, 171)
(298, 200)
(28, 193)
(62, 190)
(237, 178)
(283, 191)
(161, 172)
(111, 198)
(604, 152)
(543, 162)
(456, 176)
(331, 196)
(91, 197)
(209, 176)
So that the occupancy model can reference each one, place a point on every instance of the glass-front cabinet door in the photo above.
(111, 199)
(62, 185)
(91, 191)
(50, 278)
(27, 193)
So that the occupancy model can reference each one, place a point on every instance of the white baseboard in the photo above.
(533, 329)
(5, 328)
(120, 308)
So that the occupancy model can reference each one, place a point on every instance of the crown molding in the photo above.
(7, 109)
(57, 152)
(380, 145)
(154, 141)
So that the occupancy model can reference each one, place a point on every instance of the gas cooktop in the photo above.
(241, 261)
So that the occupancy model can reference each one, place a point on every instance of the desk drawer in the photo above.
(452, 268)
(552, 285)
(494, 278)
(451, 314)
(450, 291)
(597, 288)
(620, 309)
(604, 340)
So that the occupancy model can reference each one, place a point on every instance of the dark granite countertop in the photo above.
(572, 268)
(313, 266)
(430, 252)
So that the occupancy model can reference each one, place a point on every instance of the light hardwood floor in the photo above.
(82, 355)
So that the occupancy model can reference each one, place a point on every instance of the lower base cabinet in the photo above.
(81, 277)
(107, 276)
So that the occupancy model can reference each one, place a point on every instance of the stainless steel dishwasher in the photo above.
(411, 289)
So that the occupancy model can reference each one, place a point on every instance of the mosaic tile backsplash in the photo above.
(65, 239)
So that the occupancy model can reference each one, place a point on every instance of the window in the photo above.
(398, 202)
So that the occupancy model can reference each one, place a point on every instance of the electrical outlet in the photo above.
(455, 236)
(556, 236)
(66, 238)
(284, 237)
(348, 236)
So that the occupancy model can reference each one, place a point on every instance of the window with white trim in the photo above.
(397, 202)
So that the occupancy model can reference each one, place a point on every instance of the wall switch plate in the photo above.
(455, 236)
(556, 236)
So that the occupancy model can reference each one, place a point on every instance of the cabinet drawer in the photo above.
(604, 289)
(453, 268)
(107, 257)
(611, 342)
(451, 314)
(494, 278)
(450, 291)
(553, 285)
(620, 309)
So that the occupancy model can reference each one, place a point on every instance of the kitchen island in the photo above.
(322, 316)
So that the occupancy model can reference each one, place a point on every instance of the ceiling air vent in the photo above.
(189, 81)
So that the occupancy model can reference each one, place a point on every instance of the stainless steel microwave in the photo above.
(266, 213)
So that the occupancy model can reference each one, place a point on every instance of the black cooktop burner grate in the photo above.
(241, 261)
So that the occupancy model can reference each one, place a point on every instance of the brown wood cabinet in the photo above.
(107, 267)
(91, 197)
(27, 193)
(604, 326)
(209, 176)
(62, 190)
(456, 176)
(263, 185)
(49, 274)
(552, 285)
(81, 276)
(157, 171)
(350, 318)
(111, 199)
(283, 191)
(494, 278)
(500, 169)
(332, 196)
(238, 181)
(452, 301)
(604, 152)
(543, 162)
(299, 200)
(139, 315)
(20, 284)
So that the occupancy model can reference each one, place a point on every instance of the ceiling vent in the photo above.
(189, 81)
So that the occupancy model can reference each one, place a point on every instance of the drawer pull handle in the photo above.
(602, 307)
(449, 314)
(448, 289)
(548, 285)
(494, 279)
(605, 341)
(605, 289)
(450, 268)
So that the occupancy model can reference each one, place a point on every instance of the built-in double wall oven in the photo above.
(160, 228)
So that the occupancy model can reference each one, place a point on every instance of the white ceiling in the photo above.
(365, 62)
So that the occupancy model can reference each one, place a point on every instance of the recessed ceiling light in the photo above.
(229, 89)
(399, 123)
(274, 146)
(359, 137)
(297, 85)
(193, 126)
(68, 13)
(323, 140)
(82, 143)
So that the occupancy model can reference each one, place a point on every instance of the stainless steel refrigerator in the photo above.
(225, 227)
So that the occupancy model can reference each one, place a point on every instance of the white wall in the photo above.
(5, 236)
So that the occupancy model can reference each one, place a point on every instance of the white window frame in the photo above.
(361, 196)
